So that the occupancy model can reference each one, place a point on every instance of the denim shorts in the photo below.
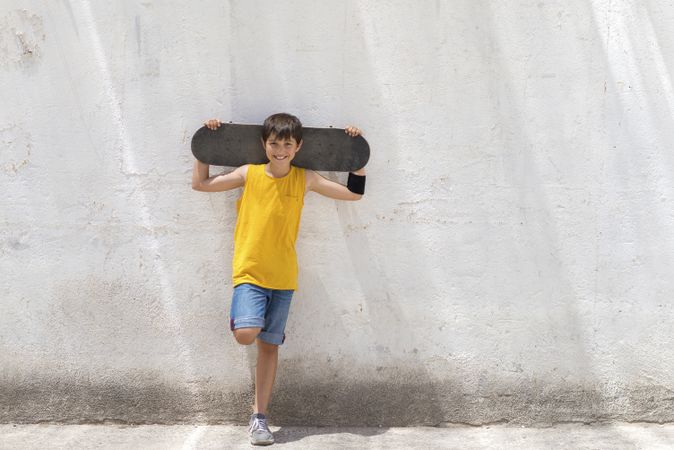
(257, 307)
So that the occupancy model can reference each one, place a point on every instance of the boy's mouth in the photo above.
(280, 158)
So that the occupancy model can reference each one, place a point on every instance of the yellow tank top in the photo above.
(268, 220)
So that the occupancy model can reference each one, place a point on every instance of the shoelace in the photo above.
(259, 424)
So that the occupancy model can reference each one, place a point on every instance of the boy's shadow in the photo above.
(287, 434)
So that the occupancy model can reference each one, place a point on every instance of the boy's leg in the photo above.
(247, 319)
(265, 373)
(268, 341)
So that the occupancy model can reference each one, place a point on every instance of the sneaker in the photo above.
(259, 430)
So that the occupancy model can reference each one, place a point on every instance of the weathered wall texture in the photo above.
(511, 261)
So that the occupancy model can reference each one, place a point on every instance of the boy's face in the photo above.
(281, 151)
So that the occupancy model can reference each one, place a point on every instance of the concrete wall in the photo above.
(511, 260)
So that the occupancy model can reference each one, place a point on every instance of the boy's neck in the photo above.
(277, 171)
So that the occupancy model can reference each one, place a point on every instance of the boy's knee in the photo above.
(246, 336)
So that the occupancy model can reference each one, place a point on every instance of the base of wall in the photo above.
(390, 397)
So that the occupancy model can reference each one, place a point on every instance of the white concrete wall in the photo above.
(511, 260)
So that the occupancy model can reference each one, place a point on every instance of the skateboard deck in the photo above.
(325, 149)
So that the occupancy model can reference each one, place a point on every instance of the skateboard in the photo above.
(324, 149)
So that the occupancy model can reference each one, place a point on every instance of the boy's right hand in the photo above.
(212, 124)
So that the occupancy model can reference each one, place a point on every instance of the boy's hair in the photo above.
(282, 126)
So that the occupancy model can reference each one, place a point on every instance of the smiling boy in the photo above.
(264, 265)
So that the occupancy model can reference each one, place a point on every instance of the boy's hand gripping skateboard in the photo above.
(324, 149)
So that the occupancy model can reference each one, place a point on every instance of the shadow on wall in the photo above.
(542, 240)
(344, 390)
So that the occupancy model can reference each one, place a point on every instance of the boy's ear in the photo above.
(262, 141)
(299, 146)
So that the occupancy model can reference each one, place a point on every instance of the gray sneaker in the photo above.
(259, 431)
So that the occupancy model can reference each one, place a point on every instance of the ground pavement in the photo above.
(193, 437)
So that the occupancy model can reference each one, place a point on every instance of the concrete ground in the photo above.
(188, 437)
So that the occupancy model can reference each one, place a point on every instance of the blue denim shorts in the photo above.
(257, 307)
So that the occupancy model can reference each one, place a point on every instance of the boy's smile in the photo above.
(281, 150)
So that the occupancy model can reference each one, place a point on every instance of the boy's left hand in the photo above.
(353, 131)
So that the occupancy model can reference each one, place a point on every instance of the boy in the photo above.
(264, 266)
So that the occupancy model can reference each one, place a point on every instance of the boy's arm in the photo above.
(323, 186)
(224, 182)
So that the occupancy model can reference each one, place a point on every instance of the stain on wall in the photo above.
(22, 39)
(15, 148)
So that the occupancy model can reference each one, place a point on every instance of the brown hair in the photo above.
(282, 126)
